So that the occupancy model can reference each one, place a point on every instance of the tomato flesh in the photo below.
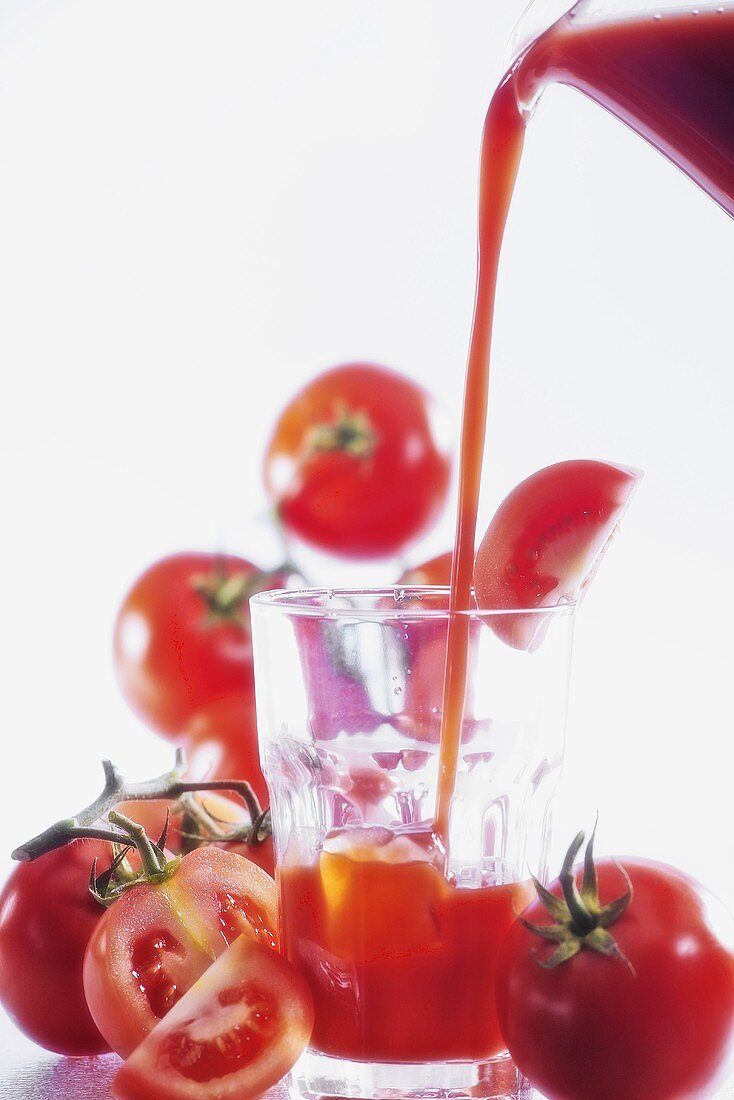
(234, 1034)
(546, 540)
(254, 1021)
(157, 940)
(149, 969)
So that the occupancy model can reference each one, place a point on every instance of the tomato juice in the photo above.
(399, 960)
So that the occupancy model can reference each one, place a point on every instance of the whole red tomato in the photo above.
(47, 917)
(158, 938)
(182, 637)
(652, 1019)
(355, 465)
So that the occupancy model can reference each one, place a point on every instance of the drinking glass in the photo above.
(396, 928)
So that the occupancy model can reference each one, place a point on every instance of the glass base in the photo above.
(317, 1076)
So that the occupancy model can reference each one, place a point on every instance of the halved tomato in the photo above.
(158, 938)
(546, 540)
(234, 1034)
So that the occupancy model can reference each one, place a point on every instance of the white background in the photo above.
(204, 204)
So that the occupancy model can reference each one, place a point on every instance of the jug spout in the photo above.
(665, 69)
(537, 17)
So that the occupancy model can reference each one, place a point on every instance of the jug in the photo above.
(667, 72)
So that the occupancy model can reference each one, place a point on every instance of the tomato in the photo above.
(221, 742)
(653, 1022)
(355, 464)
(546, 540)
(47, 916)
(435, 572)
(182, 637)
(232, 1036)
(157, 939)
(223, 815)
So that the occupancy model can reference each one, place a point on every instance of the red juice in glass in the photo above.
(398, 932)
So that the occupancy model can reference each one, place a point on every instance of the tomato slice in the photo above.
(546, 540)
(234, 1034)
(158, 939)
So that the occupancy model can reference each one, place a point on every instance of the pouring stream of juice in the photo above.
(670, 77)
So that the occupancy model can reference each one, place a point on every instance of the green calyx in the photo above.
(227, 595)
(581, 921)
(155, 867)
(350, 431)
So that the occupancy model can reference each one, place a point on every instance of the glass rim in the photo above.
(293, 601)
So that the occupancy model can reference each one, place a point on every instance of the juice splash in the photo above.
(670, 77)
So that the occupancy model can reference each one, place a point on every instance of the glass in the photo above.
(397, 931)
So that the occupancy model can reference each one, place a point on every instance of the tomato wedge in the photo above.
(546, 540)
(234, 1034)
(158, 938)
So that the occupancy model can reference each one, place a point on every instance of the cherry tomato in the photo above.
(47, 916)
(223, 814)
(355, 464)
(653, 1023)
(182, 637)
(158, 939)
(435, 572)
(241, 1027)
(221, 742)
(546, 540)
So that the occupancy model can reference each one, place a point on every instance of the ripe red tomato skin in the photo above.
(170, 659)
(182, 908)
(47, 916)
(360, 507)
(590, 1030)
